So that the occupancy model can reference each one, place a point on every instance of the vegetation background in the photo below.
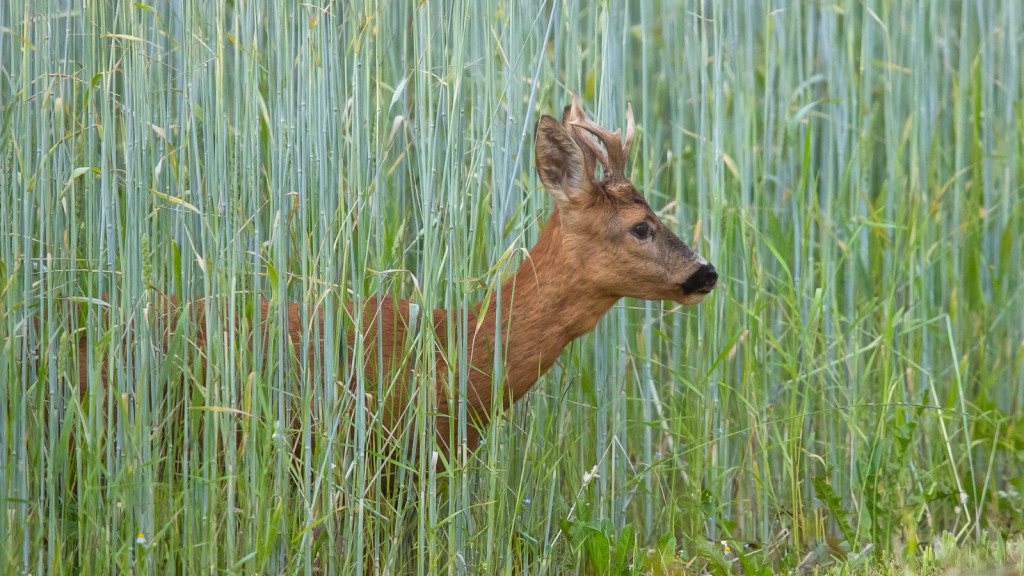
(850, 396)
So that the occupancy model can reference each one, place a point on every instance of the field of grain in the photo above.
(849, 398)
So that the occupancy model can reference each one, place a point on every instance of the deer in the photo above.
(602, 243)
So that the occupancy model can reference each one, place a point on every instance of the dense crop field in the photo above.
(849, 397)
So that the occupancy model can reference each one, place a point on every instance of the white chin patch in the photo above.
(691, 299)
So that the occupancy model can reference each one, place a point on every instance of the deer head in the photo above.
(617, 240)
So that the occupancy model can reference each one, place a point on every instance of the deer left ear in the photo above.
(559, 161)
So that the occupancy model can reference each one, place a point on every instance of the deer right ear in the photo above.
(559, 161)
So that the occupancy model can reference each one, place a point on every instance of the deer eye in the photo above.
(641, 230)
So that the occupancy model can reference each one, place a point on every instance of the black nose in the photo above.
(702, 281)
(710, 276)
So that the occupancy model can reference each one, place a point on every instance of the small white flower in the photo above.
(140, 539)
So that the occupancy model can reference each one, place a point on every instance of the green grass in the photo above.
(849, 398)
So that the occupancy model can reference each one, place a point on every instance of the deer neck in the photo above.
(545, 305)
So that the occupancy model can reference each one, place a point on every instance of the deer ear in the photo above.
(559, 161)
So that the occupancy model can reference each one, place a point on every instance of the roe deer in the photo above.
(602, 243)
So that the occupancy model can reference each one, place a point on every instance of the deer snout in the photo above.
(703, 281)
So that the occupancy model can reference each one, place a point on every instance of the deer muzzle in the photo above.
(703, 281)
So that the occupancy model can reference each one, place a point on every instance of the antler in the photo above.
(615, 152)
(627, 146)
(572, 114)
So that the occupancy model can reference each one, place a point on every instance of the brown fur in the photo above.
(585, 261)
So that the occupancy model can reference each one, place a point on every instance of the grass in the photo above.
(848, 399)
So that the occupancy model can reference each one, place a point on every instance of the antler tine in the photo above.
(574, 112)
(611, 157)
(630, 132)
(614, 153)
(592, 144)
